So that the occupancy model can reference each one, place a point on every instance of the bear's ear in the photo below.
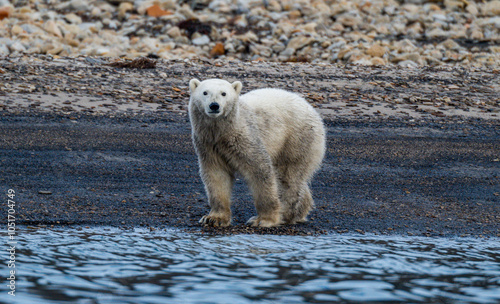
(193, 84)
(237, 87)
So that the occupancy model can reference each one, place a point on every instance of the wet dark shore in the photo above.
(425, 177)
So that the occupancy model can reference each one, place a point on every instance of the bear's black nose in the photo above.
(214, 107)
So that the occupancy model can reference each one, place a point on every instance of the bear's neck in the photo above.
(215, 128)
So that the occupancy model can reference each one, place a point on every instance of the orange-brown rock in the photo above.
(218, 50)
(156, 11)
(4, 12)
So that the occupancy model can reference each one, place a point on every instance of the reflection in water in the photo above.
(108, 265)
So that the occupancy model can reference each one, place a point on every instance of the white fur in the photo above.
(274, 138)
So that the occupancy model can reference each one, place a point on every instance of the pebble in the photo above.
(202, 40)
(360, 32)
(376, 51)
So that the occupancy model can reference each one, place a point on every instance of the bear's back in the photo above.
(281, 116)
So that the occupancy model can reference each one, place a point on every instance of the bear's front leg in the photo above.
(218, 185)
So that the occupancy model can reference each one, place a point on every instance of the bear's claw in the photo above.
(256, 221)
(215, 221)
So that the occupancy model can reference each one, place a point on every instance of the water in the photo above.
(109, 265)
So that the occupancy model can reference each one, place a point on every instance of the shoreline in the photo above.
(384, 177)
(78, 156)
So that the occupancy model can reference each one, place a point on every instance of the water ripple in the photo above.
(107, 265)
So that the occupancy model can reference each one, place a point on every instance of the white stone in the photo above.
(492, 8)
(4, 50)
(174, 32)
(288, 52)
(408, 64)
(102, 51)
(202, 40)
(72, 18)
(299, 42)
(17, 46)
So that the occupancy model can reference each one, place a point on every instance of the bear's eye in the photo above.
(205, 93)
(223, 93)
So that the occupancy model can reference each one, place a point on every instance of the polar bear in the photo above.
(273, 138)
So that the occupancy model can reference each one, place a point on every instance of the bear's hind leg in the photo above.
(297, 202)
(294, 192)
(267, 203)
(304, 205)
(289, 196)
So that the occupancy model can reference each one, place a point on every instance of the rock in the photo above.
(378, 61)
(354, 56)
(436, 33)
(472, 9)
(408, 64)
(319, 30)
(102, 51)
(156, 11)
(476, 35)
(16, 30)
(432, 61)
(495, 21)
(124, 8)
(299, 42)
(278, 47)
(347, 20)
(436, 54)
(362, 61)
(287, 52)
(431, 7)
(449, 44)
(51, 27)
(405, 46)
(344, 51)
(261, 51)
(454, 5)
(229, 47)
(55, 50)
(376, 50)
(415, 29)
(174, 32)
(17, 46)
(186, 11)
(74, 6)
(310, 27)
(411, 8)
(415, 57)
(218, 50)
(202, 40)
(274, 6)
(5, 12)
(491, 8)
(72, 18)
(337, 43)
(4, 50)
(31, 29)
(325, 44)
(440, 17)
(247, 37)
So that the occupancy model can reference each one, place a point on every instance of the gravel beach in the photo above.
(410, 151)
(376, 32)
(93, 109)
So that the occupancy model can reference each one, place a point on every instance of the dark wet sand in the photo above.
(432, 177)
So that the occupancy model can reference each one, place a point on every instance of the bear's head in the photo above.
(214, 97)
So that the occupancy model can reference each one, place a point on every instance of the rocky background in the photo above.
(370, 32)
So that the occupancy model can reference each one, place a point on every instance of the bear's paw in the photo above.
(216, 220)
(257, 221)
